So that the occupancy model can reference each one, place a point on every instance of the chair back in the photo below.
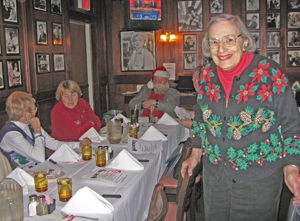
(5, 167)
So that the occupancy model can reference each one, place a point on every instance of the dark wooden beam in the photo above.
(132, 79)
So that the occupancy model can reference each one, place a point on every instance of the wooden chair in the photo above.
(5, 167)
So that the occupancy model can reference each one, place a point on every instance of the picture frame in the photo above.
(43, 63)
(14, 73)
(293, 39)
(216, 6)
(292, 19)
(293, 58)
(273, 20)
(136, 42)
(40, 5)
(41, 33)
(1, 76)
(273, 5)
(56, 7)
(252, 5)
(10, 11)
(253, 21)
(84, 5)
(12, 42)
(57, 33)
(273, 39)
(273, 55)
(189, 61)
(189, 16)
(291, 5)
(256, 36)
(59, 62)
(190, 42)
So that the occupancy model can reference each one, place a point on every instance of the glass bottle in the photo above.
(32, 205)
(41, 208)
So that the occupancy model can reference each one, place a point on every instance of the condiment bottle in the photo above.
(41, 208)
(32, 205)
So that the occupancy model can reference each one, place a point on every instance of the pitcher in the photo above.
(114, 131)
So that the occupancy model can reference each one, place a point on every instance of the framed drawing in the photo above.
(293, 39)
(274, 55)
(273, 39)
(216, 6)
(273, 20)
(256, 36)
(252, 21)
(189, 61)
(190, 16)
(293, 59)
(10, 11)
(293, 19)
(59, 62)
(292, 4)
(41, 33)
(56, 33)
(40, 5)
(56, 7)
(42, 63)
(273, 4)
(1, 75)
(14, 75)
(252, 5)
(138, 50)
(189, 42)
(12, 46)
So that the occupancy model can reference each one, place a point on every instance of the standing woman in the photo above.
(246, 129)
(72, 116)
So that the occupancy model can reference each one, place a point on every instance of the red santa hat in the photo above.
(158, 72)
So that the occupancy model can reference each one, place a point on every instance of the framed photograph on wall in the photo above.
(40, 5)
(190, 16)
(252, 5)
(59, 62)
(252, 21)
(292, 4)
(273, 20)
(10, 11)
(273, 4)
(84, 4)
(189, 42)
(256, 37)
(12, 46)
(138, 50)
(293, 39)
(56, 33)
(189, 61)
(42, 63)
(41, 33)
(1, 75)
(293, 58)
(274, 55)
(56, 7)
(293, 19)
(273, 39)
(14, 75)
(216, 6)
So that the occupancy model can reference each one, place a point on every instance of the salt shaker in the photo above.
(32, 205)
(41, 208)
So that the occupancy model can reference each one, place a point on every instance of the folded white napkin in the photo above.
(153, 134)
(167, 119)
(23, 178)
(65, 154)
(87, 203)
(93, 135)
(125, 119)
(125, 161)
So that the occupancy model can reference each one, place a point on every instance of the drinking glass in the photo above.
(64, 187)
(87, 152)
(133, 131)
(41, 181)
(151, 118)
(100, 156)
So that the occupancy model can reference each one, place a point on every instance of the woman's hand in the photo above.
(192, 113)
(186, 122)
(35, 124)
(189, 164)
(292, 180)
(85, 142)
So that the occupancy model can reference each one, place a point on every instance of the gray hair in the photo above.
(235, 20)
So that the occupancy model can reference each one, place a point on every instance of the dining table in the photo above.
(133, 205)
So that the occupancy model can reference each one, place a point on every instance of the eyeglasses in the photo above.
(160, 81)
(34, 110)
(227, 40)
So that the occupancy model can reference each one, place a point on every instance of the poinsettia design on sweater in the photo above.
(280, 81)
(261, 73)
(245, 91)
(213, 91)
(206, 74)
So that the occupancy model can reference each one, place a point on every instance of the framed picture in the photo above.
(10, 11)
(256, 36)
(138, 50)
(41, 33)
(274, 55)
(273, 20)
(14, 75)
(189, 61)
(190, 16)
(56, 33)
(12, 46)
(56, 7)
(1, 75)
(252, 5)
(189, 42)
(292, 4)
(84, 4)
(42, 63)
(59, 62)
(273, 39)
(40, 5)
(252, 21)
(293, 39)
(293, 59)
(293, 19)
(216, 6)
(273, 4)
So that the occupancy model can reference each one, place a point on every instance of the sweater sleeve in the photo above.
(143, 94)
(92, 116)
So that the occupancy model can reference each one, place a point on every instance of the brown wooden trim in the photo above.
(132, 79)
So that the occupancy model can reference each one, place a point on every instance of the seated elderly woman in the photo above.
(72, 116)
(22, 139)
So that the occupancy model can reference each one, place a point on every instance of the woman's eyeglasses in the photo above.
(227, 40)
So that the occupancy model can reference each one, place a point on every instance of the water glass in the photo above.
(87, 152)
(64, 187)
(41, 181)
(100, 156)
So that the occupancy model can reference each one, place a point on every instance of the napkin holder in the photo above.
(52, 206)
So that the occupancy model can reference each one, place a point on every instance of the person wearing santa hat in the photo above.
(157, 95)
